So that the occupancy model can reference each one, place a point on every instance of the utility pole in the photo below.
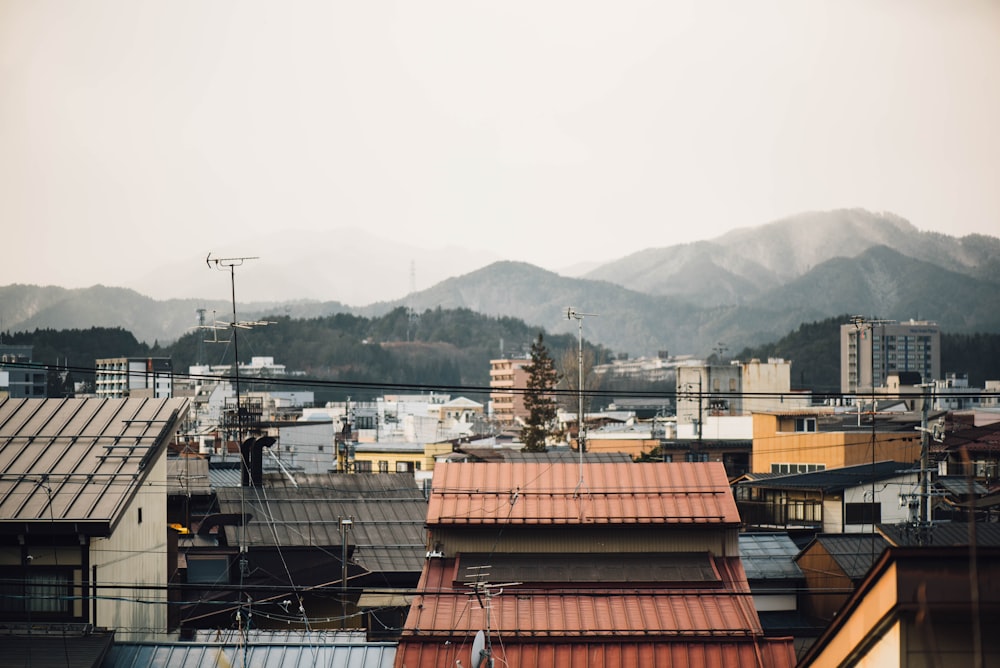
(925, 460)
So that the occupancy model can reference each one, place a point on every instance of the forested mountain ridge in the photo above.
(746, 288)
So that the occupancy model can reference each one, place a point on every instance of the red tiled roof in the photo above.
(445, 610)
(760, 653)
(553, 493)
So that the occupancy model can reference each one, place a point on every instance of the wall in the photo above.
(136, 553)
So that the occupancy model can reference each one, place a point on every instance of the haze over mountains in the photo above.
(746, 287)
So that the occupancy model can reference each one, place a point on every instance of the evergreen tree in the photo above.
(538, 399)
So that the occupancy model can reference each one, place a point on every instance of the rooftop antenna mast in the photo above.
(230, 263)
(482, 646)
(573, 314)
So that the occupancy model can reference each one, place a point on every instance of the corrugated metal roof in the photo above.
(553, 493)
(64, 645)
(838, 479)
(78, 461)
(854, 553)
(387, 512)
(762, 653)
(721, 609)
(987, 534)
(188, 475)
(562, 455)
(253, 655)
(769, 556)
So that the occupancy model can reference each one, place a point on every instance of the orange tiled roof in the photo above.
(552, 493)
(761, 653)
(447, 609)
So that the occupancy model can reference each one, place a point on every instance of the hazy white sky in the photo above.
(134, 134)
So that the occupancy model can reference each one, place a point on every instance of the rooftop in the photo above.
(78, 462)
(553, 493)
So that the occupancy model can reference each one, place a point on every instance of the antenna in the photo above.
(230, 263)
(482, 647)
(573, 314)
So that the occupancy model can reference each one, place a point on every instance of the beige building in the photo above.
(83, 512)
(737, 388)
(871, 351)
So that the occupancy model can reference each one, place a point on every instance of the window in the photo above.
(862, 513)
(207, 569)
(362, 467)
(404, 467)
(45, 592)
(797, 468)
(383, 466)
(805, 424)
(697, 456)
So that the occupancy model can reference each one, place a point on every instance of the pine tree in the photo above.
(538, 399)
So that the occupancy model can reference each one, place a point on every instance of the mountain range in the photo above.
(747, 287)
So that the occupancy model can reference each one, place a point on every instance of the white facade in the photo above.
(887, 495)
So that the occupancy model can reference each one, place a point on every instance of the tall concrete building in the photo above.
(871, 351)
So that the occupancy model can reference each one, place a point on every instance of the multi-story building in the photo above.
(122, 377)
(737, 388)
(508, 378)
(18, 381)
(871, 351)
(594, 564)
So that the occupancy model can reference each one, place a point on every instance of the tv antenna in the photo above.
(573, 314)
(482, 647)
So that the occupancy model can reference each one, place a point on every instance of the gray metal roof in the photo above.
(769, 556)
(854, 553)
(834, 480)
(78, 462)
(388, 514)
(188, 475)
(960, 486)
(259, 653)
(987, 534)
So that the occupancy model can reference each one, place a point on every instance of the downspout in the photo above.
(85, 575)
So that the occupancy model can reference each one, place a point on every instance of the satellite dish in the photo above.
(479, 650)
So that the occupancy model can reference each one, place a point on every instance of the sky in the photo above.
(135, 135)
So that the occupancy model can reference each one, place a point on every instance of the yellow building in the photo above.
(398, 457)
(799, 441)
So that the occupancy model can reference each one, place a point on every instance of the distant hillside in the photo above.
(30, 307)
(746, 288)
(746, 264)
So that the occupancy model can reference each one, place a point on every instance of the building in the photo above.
(840, 500)
(871, 351)
(734, 389)
(303, 533)
(798, 441)
(18, 378)
(508, 379)
(83, 512)
(596, 564)
(834, 566)
(121, 377)
(933, 605)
